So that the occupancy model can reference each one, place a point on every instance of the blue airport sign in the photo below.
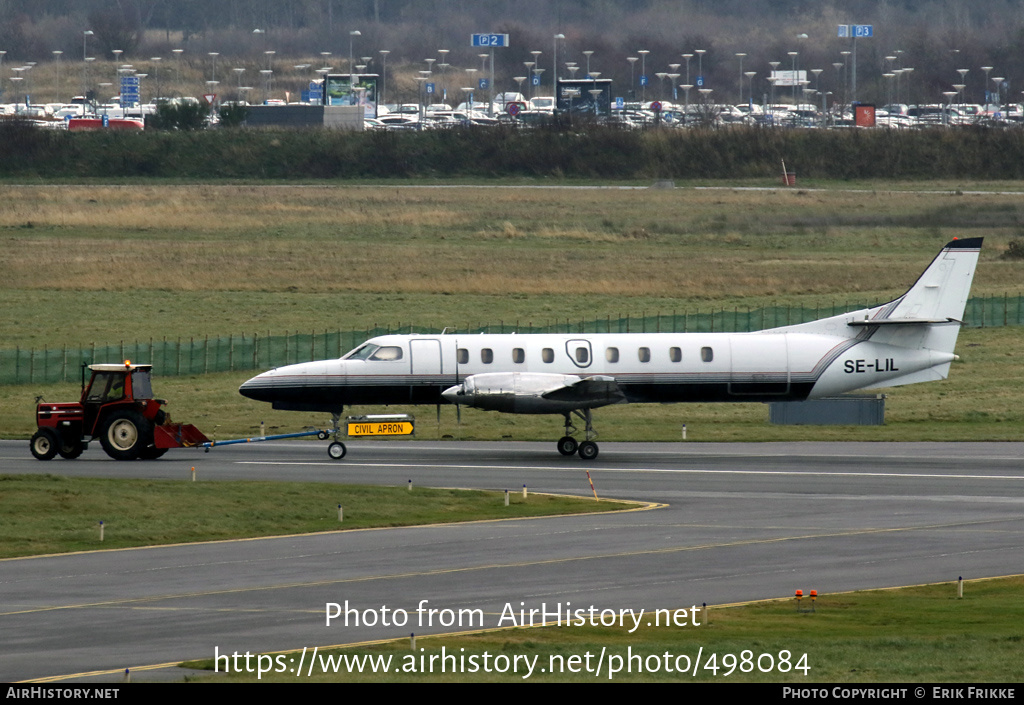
(535, 80)
(855, 30)
(700, 82)
(489, 40)
(430, 89)
(483, 83)
(129, 90)
(644, 80)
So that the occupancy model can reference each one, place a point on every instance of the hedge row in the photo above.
(560, 150)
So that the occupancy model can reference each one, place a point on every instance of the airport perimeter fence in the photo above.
(194, 356)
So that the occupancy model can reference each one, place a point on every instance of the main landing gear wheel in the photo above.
(588, 450)
(336, 450)
(567, 445)
(44, 444)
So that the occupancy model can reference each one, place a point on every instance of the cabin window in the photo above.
(611, 354)
(644, 354)
(462, 356)
(582, 355)
(675, 354)
(518, 355)
(486, 356)
(387, 352)
(707, 354)
(547, 355)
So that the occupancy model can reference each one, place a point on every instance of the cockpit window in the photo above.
(387, 352)
(361, 353)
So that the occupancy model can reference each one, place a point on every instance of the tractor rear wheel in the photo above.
(125, 434)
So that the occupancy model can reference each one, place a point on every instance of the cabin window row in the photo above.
(582, 355)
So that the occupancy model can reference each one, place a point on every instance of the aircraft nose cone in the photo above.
(256, 388)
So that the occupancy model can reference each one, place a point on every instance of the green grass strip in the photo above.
(44, 514)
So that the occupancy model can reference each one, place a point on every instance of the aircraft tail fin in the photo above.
(940, 293)
(928, 315)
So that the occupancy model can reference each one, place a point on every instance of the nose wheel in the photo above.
(336, 450)
(567, 445)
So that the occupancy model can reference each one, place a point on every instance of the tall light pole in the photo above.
(773, 78)
(687, 57)
(85, 43)
(177, 63)
(56, 58)
(383, 73)
(846, 77)
(643, 72)
(998, 81)
(963, 79)
(793, 55)
(554, 67)
(984, 88)
(351, 40)
(740, 55)
(214, 55)
(587, 54)
(632, 75)
(156, 68)
(700, 64)
(536, 64)
(443, 65)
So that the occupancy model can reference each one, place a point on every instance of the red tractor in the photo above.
(118, 408)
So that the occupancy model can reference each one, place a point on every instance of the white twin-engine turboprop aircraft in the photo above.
(908, 340)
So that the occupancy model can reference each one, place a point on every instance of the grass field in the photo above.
(913, 635)
(101, 263)
(46, 514)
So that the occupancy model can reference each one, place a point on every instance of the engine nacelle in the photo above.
(514, 392)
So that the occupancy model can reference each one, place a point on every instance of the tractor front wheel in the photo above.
(44, 444)
(125, 434)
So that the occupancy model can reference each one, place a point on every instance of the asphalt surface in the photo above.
(734, 522)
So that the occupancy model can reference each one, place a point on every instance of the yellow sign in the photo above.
(378, 428)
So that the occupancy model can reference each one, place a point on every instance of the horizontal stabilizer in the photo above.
(906, 322)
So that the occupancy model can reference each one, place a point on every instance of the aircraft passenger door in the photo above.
(426, 357)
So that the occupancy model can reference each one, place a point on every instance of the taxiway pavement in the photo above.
(741, 522)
